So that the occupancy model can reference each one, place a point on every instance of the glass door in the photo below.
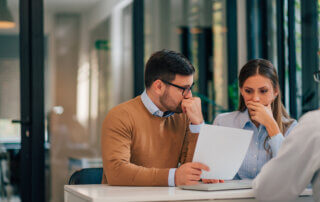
(10, 136)
(21, 101)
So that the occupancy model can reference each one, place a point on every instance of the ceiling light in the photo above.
(6, 19)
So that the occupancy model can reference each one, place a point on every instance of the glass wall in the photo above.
(88, 71)
(183, 25)
(219, 86)
(196, 28)
(9, 101)
(282, 32)
(298, 49)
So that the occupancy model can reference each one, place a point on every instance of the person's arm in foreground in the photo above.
(287, 175)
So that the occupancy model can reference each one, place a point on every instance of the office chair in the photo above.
(86, 176)
(4, 171)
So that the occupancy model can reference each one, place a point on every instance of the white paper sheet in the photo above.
(222, 149)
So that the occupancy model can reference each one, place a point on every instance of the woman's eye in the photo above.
(247, 91)
(264, 91)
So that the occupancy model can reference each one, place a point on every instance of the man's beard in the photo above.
(165, 101)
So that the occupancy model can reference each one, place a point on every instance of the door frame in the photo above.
(32, 101)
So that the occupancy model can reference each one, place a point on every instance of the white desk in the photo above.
(103, 193)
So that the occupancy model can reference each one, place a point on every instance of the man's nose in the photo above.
(188, 94)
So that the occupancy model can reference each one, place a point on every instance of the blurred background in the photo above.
(65, 63)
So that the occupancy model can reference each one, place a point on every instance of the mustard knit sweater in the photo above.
(138, 148)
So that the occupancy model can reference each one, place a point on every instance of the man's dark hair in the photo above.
(164, 65)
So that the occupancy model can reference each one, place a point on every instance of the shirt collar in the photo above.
(152, 108)
(244, 118)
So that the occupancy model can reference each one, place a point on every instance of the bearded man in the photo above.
(145, 139)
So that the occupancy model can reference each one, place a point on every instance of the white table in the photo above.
(103, 193)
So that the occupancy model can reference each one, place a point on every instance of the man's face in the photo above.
(172, 97)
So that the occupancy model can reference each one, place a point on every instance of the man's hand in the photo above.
(189, 173)
(192, 107)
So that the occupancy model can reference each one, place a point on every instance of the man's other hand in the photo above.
(189, 173)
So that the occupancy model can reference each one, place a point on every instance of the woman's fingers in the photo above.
(255, 103)
(212, 181)
(254, 107)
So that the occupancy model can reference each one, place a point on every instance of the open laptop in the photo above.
(227, 185)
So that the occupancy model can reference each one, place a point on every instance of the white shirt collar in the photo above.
(152, 108)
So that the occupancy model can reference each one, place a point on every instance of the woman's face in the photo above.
(259, 89)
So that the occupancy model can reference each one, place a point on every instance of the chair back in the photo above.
(86, 176)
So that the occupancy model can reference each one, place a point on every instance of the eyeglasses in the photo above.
(185, 91)
(316, 76)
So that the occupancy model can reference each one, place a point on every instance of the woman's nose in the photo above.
(256, 98)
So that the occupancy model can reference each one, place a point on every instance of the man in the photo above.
(144, 139)
(296, 165)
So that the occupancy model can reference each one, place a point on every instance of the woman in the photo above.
(260, 109)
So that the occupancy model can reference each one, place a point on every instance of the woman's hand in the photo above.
(263, 115)
(260, 113)
(212, 181)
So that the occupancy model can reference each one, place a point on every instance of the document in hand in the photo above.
(222, 149)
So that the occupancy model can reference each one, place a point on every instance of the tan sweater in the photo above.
(139, 148)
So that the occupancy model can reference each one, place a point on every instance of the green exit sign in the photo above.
(102, 45)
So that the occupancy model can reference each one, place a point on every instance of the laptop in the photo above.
(227, 185)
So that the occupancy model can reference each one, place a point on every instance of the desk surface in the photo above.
(99, 193)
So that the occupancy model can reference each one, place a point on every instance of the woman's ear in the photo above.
(276, 93)
(241, 91)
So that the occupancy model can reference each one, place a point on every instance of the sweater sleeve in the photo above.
(116, 152)
(189, 146)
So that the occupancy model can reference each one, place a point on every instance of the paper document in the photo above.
(222, 149)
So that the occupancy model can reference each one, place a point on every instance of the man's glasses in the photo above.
(185, 91)
(316, 76)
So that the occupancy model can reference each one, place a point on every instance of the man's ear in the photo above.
(158, 87)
